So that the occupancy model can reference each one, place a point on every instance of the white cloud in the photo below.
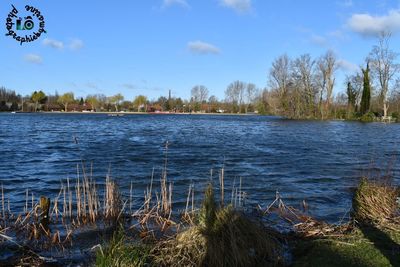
(369, 25)
(168, 3)
(53, 43)
(347, 66)
(33, 58)
(76, 44)
(241, 6)
(318, 40)
(338, 35)
(199, 47)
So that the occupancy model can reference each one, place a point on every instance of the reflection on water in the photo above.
(316, 161)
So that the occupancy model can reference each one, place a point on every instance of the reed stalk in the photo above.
(26, 201)
(221, 182)
(2, 201)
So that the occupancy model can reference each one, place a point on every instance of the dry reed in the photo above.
(375, 202)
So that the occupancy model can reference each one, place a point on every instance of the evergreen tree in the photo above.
(351, 95)
(366, 94)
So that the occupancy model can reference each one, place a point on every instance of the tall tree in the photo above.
(384, 66)
(233, 94)
(279, 78)
(327, 66)
(304, 90)
(366, 94)
(162, 101)
(351, 97)
(116, 100)
(251, 93)
(66, 99)
(139, 102)
(93, 101)
(212, 103)
(38, 97)
(199, 94)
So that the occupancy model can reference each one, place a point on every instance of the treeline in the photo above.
(9, 100)
(301, 87)
(241, 97)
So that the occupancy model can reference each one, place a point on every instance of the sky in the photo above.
(152, 46)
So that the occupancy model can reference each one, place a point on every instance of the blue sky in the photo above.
(150, 46)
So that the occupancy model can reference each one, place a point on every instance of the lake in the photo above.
(319, 161)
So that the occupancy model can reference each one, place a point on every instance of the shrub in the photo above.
(367, 117)
(395, 116)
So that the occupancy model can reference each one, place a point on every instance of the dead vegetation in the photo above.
(376, 202)
(222, 237)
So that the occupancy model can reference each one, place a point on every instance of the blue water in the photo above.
(313, 160)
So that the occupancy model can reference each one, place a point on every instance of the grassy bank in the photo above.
(374, 239)
(225, 237)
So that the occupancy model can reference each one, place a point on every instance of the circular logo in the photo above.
(26, 27)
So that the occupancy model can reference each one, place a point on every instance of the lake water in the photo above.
(317, 161)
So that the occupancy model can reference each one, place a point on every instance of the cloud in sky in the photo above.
(240, 6)
(199, 47)
(128, 86)
(53, 43)
(319, 40)
(182, 3)
(337, 34)
(33, 58)
(368, 25)
(76, 44)
(347, 66)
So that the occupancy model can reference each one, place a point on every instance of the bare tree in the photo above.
(303, 77)
(212, 103)
(327, 66)
(203, 94)
(199, 93)
(234, 94)
(384, 67)
(251, 94)
(279, 78)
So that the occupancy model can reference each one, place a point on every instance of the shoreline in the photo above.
(136, 113)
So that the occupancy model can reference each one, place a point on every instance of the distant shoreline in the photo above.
(135, 113)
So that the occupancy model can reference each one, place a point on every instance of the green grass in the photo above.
(366, 247)
(118, 253)
(375, 241)
(225, 237)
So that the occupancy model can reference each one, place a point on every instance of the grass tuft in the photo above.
(223, 237)
(118, 253)
(375, 202)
